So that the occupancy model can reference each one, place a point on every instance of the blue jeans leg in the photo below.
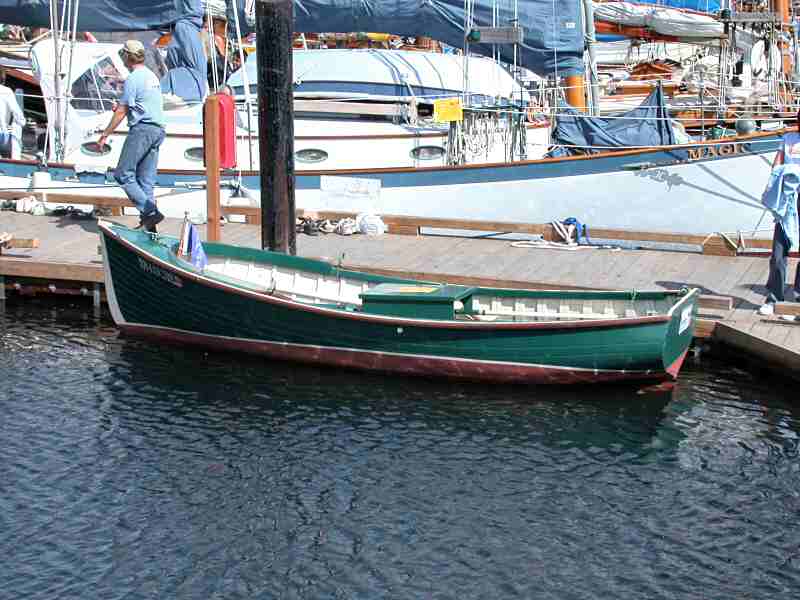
(141, 145)
(146, 170)
(777, 265)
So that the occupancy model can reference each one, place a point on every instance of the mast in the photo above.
(575, 95)
(248, 102)
(781, 7)
(591, 40)
(274, 29)
(58, 126)
(575, 84)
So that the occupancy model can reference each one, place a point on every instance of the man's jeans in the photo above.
(138, 161)
(777, 268)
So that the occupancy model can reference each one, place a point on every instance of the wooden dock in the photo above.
(67, 261)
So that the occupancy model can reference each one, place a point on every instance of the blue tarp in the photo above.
(96, 15)
(708, 6)
(552, 42)
(186, 61)
(644, 126)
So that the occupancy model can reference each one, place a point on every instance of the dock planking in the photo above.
(68, 252)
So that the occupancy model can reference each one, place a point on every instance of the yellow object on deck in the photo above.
(448, 109)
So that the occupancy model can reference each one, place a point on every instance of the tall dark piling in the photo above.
(274, 31)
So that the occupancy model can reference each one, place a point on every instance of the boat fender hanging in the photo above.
(227, 131)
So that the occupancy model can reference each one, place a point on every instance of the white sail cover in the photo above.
(666, 21)
(683, 24)
(389, 74)
(621, 13)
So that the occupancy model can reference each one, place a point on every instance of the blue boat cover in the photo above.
(707, 6)
(644, 126)
(553, 40)
(96, 15)
(186, 61)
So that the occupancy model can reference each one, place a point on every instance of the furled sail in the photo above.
(647, 20)
(707, 6)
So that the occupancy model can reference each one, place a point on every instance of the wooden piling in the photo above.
(211, 140)
(274, 28)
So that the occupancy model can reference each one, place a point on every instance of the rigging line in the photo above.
(211, 45)
(56, 138)
(68, 90)
(67, 8)
(555, 42)
(246, 82)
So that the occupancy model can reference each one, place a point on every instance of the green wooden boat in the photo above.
(293, 308)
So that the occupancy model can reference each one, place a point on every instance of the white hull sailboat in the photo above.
(387, 160)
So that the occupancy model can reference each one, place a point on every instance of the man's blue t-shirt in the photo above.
(142, 95)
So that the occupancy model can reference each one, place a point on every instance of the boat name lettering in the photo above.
(160, 273)
(718, 150)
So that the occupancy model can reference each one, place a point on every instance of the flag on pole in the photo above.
(196, 253)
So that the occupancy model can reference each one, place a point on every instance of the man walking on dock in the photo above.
(142, 104)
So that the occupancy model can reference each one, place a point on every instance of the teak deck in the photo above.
(67, 261)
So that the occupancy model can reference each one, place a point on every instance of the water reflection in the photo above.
(132, 469)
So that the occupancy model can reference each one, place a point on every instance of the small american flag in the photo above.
(192, 246)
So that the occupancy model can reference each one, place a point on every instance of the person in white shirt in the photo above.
(788, 154)
(12, 120)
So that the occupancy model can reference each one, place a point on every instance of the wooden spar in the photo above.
(782, 9)
(211, 143)
(59, 121)
(633, 32)
(274, 29)
(591, 40)
(575, 92)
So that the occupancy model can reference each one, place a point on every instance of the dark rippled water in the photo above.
(133, 471)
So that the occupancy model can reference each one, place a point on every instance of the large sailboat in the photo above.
(363, 125)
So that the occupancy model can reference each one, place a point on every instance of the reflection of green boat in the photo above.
(299, 309)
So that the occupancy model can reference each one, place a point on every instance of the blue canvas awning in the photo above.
(553, 39)
(646, 125)
(707, 6)
(97, 15)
